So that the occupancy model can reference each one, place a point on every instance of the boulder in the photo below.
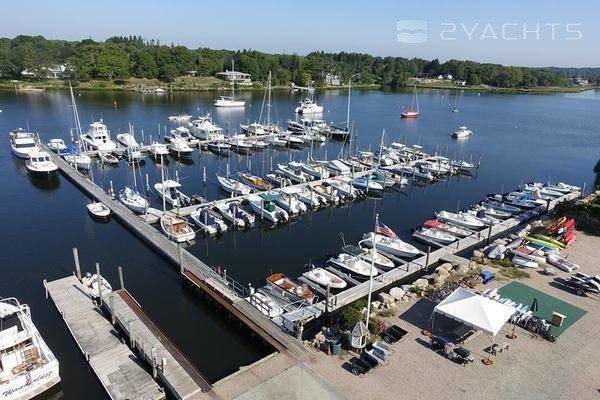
(406, 288)
(397, 293)
(386, 298)
(441, 271)
(439, 281)
(447, 266)
(375, 305)
(421, 283)
(462, 269)
(478, 255)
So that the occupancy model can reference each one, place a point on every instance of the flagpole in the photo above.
(372, 268)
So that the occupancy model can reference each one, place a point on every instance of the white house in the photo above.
(235, 76)
(331, 79)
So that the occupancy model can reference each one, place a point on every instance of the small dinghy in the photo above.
(522, 262)
(533, 255)
(354, 265)
(393, 246)
(108, 158)
(98, 210)
(176, 229)
(209, 221)
(325, 278)
(94, 286)
(562, 263)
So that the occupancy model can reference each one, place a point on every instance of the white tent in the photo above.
(476, 311)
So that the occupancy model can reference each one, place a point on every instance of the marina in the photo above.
(222, 283)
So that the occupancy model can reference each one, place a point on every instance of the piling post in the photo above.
(77, 267)
(489, 234)
(583, 190)
(225, 274)
(179, 256)
(547, 206)
(153, 361)
(327, 298)
(99, 283)
(121, 281)
(427, 258)
(45, 282)
(112, 310)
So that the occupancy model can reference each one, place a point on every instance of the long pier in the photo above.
(117, 368)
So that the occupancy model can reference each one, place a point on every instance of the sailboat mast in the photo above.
(233, 81)
(348, 111)
(269, 100)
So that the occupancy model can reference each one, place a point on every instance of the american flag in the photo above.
(381, 229)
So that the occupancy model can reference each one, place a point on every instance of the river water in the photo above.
(520, 137)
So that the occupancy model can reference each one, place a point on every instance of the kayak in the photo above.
(550, 240)
(543, 243)
(524, 262)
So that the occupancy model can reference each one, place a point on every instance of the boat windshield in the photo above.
(25, 145)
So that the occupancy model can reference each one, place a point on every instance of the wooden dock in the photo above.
(117, 368)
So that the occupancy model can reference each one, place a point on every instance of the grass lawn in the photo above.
(521, 293)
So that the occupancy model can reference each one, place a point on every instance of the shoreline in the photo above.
(212, 86)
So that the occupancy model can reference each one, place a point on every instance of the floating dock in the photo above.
(117, 368)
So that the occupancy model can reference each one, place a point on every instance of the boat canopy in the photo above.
(268, 197)
(169, 183)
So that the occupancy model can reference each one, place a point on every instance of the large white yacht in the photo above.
(204, 129)
(22, 143)
(309, 106)
(40, 164)
(27, 365)
(98, 138)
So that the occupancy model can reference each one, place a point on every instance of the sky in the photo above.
(510, 32)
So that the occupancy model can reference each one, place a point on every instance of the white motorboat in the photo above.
(27, 365)
(180, 118)
(462, 165)
(337, 167)
(306, 196)
(278, 180)
(451, 229)
(325, 278)
(393, 246)
(98, 210)
(127, 140)
(22, 143)
(176, 229)
(233, 186)
(289, 202)
(294, 141)
(493, 212)
(180, 148)
(277, 141)
(107, 158)
(482, 216)
(56, 145)
(208, 221)
(562, 263)
(353, 264)
(258, 144)
(460, 219)
(94, 286)
(502, 207)
(434, 235)
(169, 189)
(133, 200)
(183, 133)
(77, 159)
(235, 214)
(265, 207)
(316, 170)
(98, 138)
(219, 148)
(159, 151)
(344, 188)
(265, 304)
(204, 129)
(133, 154)
(367, 255)
(367, 184)
(571, 188)
(40, 164)
(462, 133)
(253, 129)
(295, 176)
(328, 192)
(308, 106)
(240, 144)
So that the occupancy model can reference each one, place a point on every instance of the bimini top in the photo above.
(476, 311)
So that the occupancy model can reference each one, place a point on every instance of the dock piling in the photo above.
(427, 257)
(77, 267)
(99, 283)
(121, 281)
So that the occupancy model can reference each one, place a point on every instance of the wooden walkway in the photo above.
(117, 368)
(178, 374)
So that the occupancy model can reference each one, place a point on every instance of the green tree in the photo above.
(169, 72)
(473, 79)
(145, 66)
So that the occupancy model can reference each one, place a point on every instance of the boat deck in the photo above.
(117, 368)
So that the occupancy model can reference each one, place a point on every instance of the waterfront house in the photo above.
(235, 76)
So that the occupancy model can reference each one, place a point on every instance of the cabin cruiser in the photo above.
(98, 138)
(303, 124)
(127, 140)
(40, 164)
(240, 144)
(204, 129)
(229, 101)
(180, 148)
(308, 106)
(253, 129)
(289, 202)
(22, 143)
(27, 365)
(337, 167)
(182, 133)
(133, 154)
(296, 176)
(462, 133)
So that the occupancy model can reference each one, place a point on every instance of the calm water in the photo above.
(522, 137)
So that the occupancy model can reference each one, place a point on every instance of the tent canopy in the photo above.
(476, 311)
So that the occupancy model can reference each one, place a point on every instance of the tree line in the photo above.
(119, 58)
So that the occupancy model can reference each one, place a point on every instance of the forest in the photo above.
(120, 58)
